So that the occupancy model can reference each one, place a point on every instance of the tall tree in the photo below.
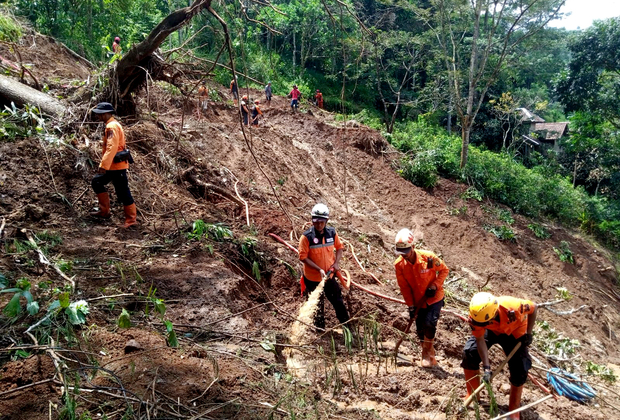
(475, 39)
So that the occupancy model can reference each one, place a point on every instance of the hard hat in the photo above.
(404, 242)
(483, 307)
(317, 90)
(117, 39)
(294, 86)
(244, 97)
(319, 212)
(256, 101)
(103, 107)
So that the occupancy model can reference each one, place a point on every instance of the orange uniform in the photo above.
(414, 279)
(320, 251)
(512, 314)
(113, 142)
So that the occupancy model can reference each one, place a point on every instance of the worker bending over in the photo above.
(503, 320)
(420, 276)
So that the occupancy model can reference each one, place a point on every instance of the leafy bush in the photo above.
(539, 231)
(20, 123)
(10, 29)
(216, 231)
(21, 290)
(564, 252)
(503, 233)
(420, 171)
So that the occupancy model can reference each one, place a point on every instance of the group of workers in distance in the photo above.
(420, 274)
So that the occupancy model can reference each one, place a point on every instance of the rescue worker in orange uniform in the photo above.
(203, 97)
(503, 320)
(420, 276)
(318, 99)
(116, 46)
(111, 169)
(316, 251)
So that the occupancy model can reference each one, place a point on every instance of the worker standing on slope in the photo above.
(256, 112)
(316, 251)
(503, 320)
(203, 97)
(113, 167)
(234, 90)
(245, 112)
(295, 94)
(268, 94)
(116, 46)
(420, 276)
(318, 99)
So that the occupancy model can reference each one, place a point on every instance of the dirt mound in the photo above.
(232, 298)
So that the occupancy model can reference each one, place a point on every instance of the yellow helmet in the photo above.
(483, 307)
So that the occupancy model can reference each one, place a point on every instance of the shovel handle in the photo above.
(495, 372)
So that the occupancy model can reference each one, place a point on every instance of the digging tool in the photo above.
(495, 372)
(415, 315)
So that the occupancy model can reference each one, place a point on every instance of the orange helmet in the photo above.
(404, 242)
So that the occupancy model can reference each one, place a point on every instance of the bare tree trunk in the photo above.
(142, 62)
(465, 132)
(22, 94)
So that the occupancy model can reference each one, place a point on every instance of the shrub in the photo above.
(564, 252)
(10, 29)
(420, 171)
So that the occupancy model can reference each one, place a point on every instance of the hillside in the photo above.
(231, 328)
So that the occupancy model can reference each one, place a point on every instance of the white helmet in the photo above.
(319, 211)
(404, 242)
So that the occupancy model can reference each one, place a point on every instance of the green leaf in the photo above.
(77, 312)
(172, 339)
(23, 283)
(28, 296)
(169, 326)
(11, 290)
(53, 306)
(32, 307)
(3, 281)
(123, 320)
(64, 299)
(22, 354)
(160, 307)
(13, 308)
(268, 346)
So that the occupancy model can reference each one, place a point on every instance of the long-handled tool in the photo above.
(495, 372)
(415, 315)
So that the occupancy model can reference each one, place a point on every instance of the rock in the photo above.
(505, 388)
(132, 346)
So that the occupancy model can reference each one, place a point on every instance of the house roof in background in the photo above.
(554, 131)
(528, 115)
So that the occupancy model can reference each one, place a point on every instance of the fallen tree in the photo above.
(21, 94)
(142, 61)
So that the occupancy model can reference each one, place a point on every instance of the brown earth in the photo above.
(227, 323)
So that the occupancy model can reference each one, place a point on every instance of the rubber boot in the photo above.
(130, 215)
(104, 206)
(472, 381)
(515, 401)
(426, 349)
(431, 352)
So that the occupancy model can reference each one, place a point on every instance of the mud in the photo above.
(232, 328)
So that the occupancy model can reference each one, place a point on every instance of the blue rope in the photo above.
(575, 390)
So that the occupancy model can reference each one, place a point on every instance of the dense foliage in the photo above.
(396, 65)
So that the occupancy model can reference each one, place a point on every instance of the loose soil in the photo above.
(232, 329)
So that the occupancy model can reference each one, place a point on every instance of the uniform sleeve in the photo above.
(337, 243)
(442, 272)
(477, 331)
(111, 148)
(304, 247)
(405, 288)
(527, 307)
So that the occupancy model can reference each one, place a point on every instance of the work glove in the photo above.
(430, 292)
(526, 339)
(486, 376)
(412, 311)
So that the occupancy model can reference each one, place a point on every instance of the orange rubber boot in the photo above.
(472, 381)
(514, 401)
(428, 353)
(130, 215)
(104, 206)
